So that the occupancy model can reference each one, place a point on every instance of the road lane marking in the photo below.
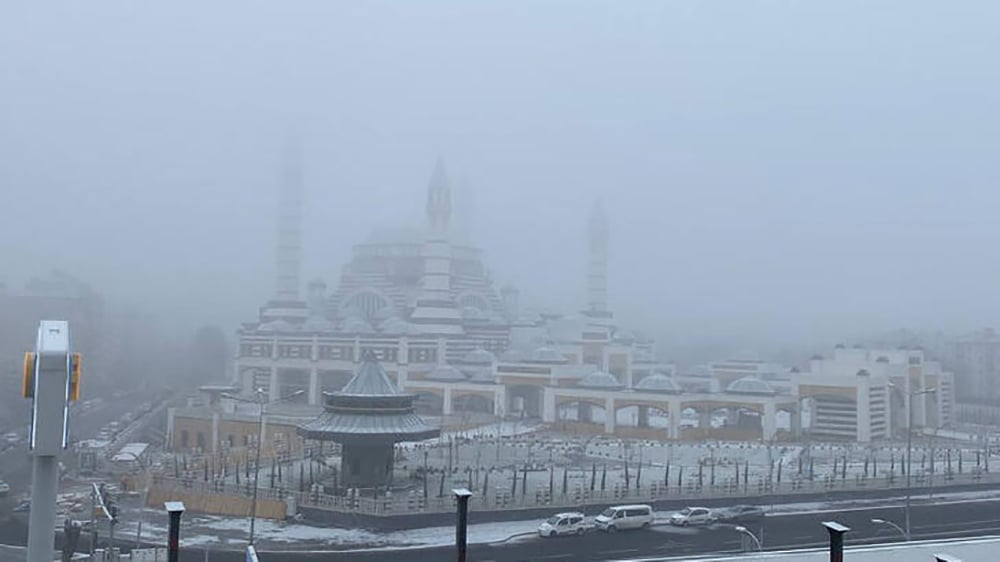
(622, 551)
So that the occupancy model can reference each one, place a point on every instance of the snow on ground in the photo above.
(215, 531)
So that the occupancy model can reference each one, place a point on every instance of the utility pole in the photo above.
(261, 404)
(909, 452)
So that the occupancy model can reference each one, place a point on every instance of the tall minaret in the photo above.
(288, 255)
(597, 263)
(286, 303)
(435, 311)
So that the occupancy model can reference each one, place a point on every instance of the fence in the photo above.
(506, 490)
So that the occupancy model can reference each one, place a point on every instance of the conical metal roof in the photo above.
(370, 380)
(369, 408)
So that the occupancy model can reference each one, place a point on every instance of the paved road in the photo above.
(778, 532)
(15, 462)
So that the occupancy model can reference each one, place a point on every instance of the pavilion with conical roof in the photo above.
(368, 417)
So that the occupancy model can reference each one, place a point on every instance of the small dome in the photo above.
(445, 373)
(355, 325)
(750, 385)
(658, 383)
(479, 357)
(600, 379)
(547, 355)
(512, 355)
(315, 324)
(482, 375)
(276, 326)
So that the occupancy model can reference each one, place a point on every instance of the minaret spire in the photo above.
(435, 311)
(439, 199)
(597, 263)
(288, 255)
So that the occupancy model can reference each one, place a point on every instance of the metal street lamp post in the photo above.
(909, 453)
(890, 524)
(260, 437)
(747, 532)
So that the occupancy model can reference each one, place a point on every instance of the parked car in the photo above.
(24, 505)
(4, 488)
(572, 523)
(692, 516)
(622, 517)
(12, 437)
(740, 513)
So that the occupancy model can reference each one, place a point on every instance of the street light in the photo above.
(747, 532)
(261, 403)
(909, 452)
(890, 524)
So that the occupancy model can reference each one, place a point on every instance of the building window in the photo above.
(422, 355)
(184, 439)
(201, 440)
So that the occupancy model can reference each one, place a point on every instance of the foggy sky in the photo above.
(772, 170)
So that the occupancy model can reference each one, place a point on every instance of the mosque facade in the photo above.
(422, 303)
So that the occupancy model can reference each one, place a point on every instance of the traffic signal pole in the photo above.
(51, 379)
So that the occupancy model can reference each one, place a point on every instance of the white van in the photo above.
(622, 517)
(563, 524)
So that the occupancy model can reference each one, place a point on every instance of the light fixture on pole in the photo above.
(890, 524)
(909, 452)
(745, 531)
(261, 404)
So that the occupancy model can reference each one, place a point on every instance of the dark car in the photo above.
(740, 513)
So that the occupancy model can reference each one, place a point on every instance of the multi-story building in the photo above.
(58, 295)
(976, 360)
(865, 394)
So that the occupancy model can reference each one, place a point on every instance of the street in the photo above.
(784, 531)
(15, 462)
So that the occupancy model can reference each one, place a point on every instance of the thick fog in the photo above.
(773, 171)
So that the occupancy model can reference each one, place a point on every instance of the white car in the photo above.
(4, 488)
(692, 516)
(622, 517)
(572, 523)
(12, 437)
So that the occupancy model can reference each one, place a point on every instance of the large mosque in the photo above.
(423, 304)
